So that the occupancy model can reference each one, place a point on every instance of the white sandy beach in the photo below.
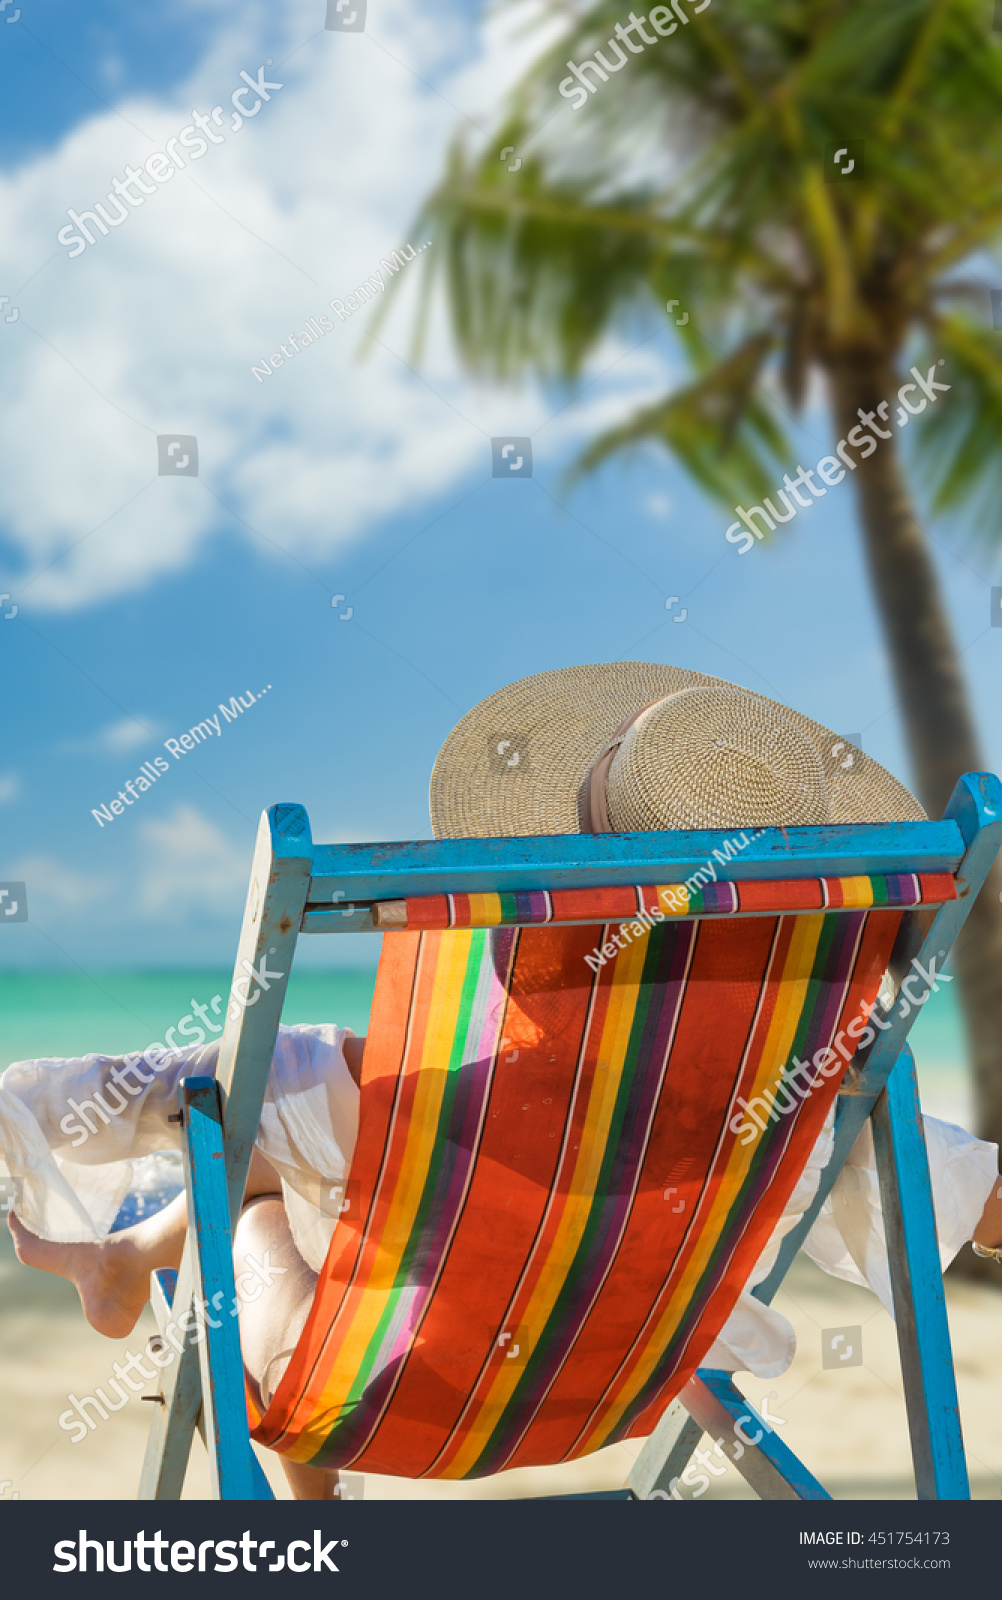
(848, 1426)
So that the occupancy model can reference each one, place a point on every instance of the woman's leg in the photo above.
(989, 1230)
(271, 1323)
(113, 1282)
(113, 1278)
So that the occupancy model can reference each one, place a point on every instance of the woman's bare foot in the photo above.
(113, 1278)
(113, 1282)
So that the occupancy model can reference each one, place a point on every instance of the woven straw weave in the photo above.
(710, 756)
(715, 758)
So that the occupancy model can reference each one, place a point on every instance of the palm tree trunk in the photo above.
(942, 738)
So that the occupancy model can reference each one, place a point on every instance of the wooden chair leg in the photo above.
(666, 1454)
(276, 899)
(711, 1404)
(233, 1468)
(917, 1287)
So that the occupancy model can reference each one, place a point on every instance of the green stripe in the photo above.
(509, 907)
(819, 969)
(467, 997)
(570, 1287)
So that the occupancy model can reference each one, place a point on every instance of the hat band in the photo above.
(596, 812)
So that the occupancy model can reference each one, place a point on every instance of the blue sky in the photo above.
(145, 601)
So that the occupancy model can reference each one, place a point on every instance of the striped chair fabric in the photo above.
(565, 1173)
(531, 906)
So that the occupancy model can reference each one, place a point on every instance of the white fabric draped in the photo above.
(71, 1130)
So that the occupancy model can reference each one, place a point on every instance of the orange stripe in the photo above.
(517, 1171)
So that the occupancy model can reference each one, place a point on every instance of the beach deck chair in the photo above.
(575, 1140)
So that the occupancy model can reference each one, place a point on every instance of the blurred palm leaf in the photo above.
(698, 174)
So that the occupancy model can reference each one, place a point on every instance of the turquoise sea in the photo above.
(70, 1014)
(67, 1014)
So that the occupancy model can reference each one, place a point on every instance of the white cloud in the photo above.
(53, 887)
(10, 788)
(166, 315)
(115, 738)
(126, 734)
(191, 866)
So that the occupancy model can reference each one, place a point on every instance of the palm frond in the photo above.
(724, 434)
(960, 464)
(698, 175)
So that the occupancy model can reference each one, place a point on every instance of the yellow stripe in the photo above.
(790, 1000)
(436, 1049)
(673, 898)
(577, 1202)
(485, 910)
(793, 984)
(857, 893)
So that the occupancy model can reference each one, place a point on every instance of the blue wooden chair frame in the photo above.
(297, 886)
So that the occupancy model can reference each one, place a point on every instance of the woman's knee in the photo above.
(275, 1289)
(268, 1267)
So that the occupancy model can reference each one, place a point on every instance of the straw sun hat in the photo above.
(627, 746)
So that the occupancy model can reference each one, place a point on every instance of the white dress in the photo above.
(70, 1131)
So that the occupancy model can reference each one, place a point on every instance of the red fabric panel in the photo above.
(875, 948)
(937, 887)
(787, 894)
(545, 1018)
(605, 905)
(723, 989)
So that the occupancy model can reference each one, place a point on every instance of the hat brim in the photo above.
(515, 765)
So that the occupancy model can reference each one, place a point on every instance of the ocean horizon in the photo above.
(67, 1014)
(59, 1013)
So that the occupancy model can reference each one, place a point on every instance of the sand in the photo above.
(847, 1425)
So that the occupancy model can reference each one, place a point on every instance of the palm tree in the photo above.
(704, 174)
